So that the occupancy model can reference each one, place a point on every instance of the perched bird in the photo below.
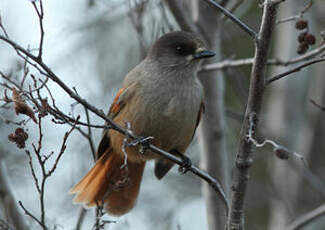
(161, 98)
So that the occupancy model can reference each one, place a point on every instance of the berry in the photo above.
(301, 24)
(310, 39)
(302, 37)
(302, 48)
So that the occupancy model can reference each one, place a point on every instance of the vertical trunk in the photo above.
(214, 158)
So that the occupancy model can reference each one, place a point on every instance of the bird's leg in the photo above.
(143, 141)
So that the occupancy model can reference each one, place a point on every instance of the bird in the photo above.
(160, 98)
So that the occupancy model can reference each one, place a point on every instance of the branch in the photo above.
(256, 90)
(294, 70)
(40, 14)
(233, 18)
(295, 17)
(183, 20)
(81, 218)
(307, 218)
(249, 61)
(45, 70)
(317, 105)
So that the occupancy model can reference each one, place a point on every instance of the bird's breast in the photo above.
(169, 113)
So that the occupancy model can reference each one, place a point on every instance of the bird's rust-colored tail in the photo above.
(110, 181)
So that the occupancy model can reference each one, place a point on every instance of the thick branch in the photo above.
(244, 157)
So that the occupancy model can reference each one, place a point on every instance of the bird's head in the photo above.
(179, 50)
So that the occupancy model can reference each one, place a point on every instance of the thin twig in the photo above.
(233, 18)
(89, 135)
(31, 215)
(295, 17)
(317, 105)
(81, 218)
(280, 151)
(307, 218)
(294, 70)
(40, 14)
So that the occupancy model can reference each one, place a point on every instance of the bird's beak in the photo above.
(201, 53)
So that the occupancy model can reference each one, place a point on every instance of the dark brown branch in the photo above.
(294, 70)
(31, 215)
(89, 135)
(40, 14)
(45, 70)
(81, 218)
(233, 18)
(244, 158)
(307, 218)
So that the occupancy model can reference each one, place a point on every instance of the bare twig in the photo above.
(295, 17)
(3, 29)
(40, 14)
(280, 151)
(317, 105)
(256, 90)
(89, 135)
(99, 222)
(81, 218)
(233, 18)
(294, 70)
(307, 218)
(31, 215)
(40, 183)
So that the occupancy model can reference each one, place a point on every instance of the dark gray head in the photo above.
(179, 49)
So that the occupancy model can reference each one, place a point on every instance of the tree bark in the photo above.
(214, 158)
(244, 158)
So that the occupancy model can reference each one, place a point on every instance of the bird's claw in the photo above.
(143, 141)
(186, 165)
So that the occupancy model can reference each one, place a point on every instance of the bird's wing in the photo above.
(162, 166)
(199, 116)
(119, 102)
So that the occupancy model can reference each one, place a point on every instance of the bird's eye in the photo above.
(179, 49)
(182, 50)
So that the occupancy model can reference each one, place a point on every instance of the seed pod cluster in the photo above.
(19, 137)
(305, 39)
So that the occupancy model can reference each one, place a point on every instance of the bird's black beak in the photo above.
(200, 54)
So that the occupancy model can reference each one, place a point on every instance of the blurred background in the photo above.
(92, 44)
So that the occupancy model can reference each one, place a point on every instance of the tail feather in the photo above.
(108, 181)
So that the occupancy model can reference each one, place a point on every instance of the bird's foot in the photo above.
(143, 141)
(186, 164)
